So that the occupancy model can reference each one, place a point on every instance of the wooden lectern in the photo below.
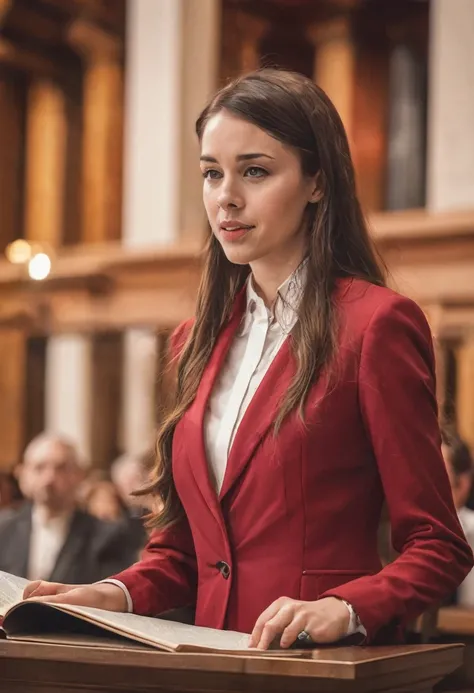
(35, 668)
(456, 624)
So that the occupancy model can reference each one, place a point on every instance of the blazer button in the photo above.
(224, 569)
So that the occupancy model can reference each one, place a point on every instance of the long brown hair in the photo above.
(296, 112)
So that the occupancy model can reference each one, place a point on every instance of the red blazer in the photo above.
(298, 515)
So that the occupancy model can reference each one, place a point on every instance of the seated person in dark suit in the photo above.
(459, 465)
(48, 538)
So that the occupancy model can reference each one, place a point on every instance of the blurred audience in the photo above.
(459, 465)
(48, 537)
(103, 500)
(129, 473)
(10, 494)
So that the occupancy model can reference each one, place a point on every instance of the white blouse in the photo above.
(256, 344)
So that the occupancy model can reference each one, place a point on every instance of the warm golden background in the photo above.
(99, 173)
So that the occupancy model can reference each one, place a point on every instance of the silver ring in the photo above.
(305, 638)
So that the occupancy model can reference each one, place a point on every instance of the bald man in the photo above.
(48, 538)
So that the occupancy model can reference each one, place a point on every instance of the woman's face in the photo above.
(255, 193)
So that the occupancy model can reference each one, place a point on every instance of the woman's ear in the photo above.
(316, 196)
(317, 192)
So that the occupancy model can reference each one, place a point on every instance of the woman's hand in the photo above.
(325, 620)
(100, 595)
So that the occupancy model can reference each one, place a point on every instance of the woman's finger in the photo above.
(79, 596)
(31, 588)
(293, 629)
(41, 588)
(262, 619)
(275, 626)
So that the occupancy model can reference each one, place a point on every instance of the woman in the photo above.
(305, 396)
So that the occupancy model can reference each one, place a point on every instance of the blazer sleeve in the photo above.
(399, 410)
(165, 577)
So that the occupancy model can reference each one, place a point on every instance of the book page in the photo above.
(156, 631)
(75, 639)
(11, 590)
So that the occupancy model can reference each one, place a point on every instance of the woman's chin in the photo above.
(238, 256)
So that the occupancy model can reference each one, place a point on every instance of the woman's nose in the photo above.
(229, 197)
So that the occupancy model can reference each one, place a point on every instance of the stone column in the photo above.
(171, 69)
(68, 389)
(450, 170)
(450, 174)
(139, 375)
(198, 83)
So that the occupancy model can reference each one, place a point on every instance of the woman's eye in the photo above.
(255, 172)
(211, 174)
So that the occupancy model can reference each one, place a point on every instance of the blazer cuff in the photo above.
(128, 597)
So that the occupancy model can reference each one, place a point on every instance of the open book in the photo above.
(67, 624)
(64, 623)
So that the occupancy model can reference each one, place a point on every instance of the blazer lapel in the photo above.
(263, 408)
(71, 550)
(260, 415)
(194, 417)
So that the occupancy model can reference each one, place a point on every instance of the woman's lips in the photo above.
(235, 234)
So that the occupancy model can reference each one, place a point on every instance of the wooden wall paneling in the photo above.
(335, 63)
(465, 389)
(12, 396)
(46, 128)
(35, 390)
(30, 20)
(448, 412)
(241, 36)
(5, 7)
(407, 81)
(164, 384)
(370, 109)
(286, 45)
(351, 66)
(11, 156)
(102, 131)
(72, 207)
(27, 60)
(106, 395)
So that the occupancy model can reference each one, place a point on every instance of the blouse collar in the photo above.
(285, 307)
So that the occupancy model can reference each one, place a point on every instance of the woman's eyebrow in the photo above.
(240, 157)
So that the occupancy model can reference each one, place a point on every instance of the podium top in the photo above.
(28, 667)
